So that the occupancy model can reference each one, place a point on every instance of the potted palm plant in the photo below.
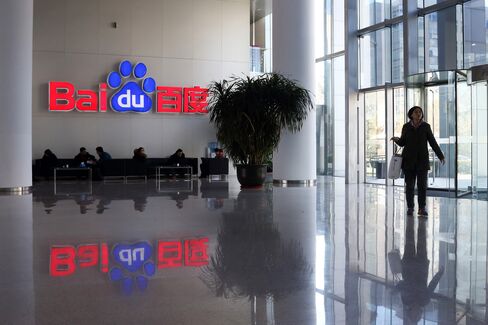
(250, 113)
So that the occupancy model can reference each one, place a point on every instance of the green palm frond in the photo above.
(250, 113)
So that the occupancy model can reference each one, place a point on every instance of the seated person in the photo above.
(140, 154)
(219, 154)
(49, 162)
(102, 155)
(178, 159)
(84, 158)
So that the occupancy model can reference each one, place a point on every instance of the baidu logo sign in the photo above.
(133, 92)
(134, 95)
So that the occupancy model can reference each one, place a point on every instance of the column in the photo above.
(16, 273)
(293, 56)
(16, 21)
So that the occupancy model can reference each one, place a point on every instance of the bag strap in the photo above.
(397, 149)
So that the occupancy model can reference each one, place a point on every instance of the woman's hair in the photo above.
(410, 111)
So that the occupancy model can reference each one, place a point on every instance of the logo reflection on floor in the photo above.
(130, 265)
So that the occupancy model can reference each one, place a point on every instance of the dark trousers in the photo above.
(421, 177)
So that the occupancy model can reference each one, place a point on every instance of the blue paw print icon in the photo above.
(131, 97)
(134, 266)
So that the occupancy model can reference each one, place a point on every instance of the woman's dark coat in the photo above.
(414, 142)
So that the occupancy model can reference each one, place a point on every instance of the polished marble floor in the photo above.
(207, 252)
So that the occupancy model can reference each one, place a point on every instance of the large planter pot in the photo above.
(251, 175)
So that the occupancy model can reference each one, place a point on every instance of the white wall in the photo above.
(183, 43)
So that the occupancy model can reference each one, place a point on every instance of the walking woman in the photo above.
(415, 162)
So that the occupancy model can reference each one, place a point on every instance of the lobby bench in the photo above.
(215, 166)
(116, 168)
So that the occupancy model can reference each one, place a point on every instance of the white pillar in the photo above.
(16, 21)
(16, 273)
(293, 56)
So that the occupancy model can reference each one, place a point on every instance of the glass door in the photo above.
(375, 137)
(435, 93)
(479, 107)
(464, 152)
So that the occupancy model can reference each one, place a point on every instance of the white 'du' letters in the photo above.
(128, 100)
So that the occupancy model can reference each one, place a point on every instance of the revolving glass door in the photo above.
(445, 98)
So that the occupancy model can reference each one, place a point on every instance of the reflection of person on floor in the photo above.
(215, 203)
(414, 290)
(179, 198)
(102, 205)
(140, 203)
(84, 201)
(49, 203)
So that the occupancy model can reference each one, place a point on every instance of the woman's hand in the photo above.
(394, 139)
(443, 161)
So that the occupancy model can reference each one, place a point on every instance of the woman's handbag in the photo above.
(395, 262)
(395, 167)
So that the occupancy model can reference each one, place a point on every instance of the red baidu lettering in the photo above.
(87, 101)
(168, 100)
(61, 101)
(196, 252)
(170, 254)
(62, 261)
(88, 255)
(102, 94)
(195, 100)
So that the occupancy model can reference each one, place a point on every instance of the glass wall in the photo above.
(479, 104)
(394, 42)
(475, 33)
(373, 12)
(399, 118)
(444, 36)
(374, 58)
(397, 53)
(375, 136)
(330, 65)
(440, 43)
(260, 55)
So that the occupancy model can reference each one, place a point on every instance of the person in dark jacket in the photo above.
(49, 162)
(140, 154)
(84, 158)
(103, 155)
(415, 162)
(177, 159)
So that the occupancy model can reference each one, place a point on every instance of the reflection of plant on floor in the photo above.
(251, 259)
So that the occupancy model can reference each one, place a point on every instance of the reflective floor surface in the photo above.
(207, 252)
